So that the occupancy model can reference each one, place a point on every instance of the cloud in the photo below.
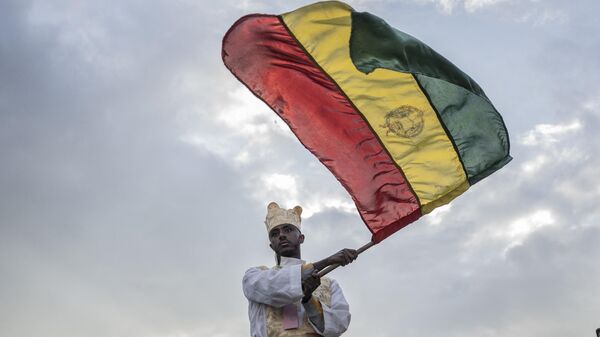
(516, 232)
(548, 133)
(473, 5)
(544, 16)
(448, 6)
(538, 13)
(437, 216)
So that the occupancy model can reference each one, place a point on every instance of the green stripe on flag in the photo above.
(475, 126)
(375, 44)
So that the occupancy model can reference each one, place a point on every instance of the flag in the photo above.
(401, 128)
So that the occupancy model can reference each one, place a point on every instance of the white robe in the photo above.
(280, 286)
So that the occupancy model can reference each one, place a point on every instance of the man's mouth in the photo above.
(284, 244)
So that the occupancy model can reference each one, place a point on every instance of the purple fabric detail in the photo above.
(290, 317)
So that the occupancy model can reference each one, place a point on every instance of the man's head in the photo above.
(286, 240)
(283, 227)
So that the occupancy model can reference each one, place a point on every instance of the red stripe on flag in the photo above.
(260, 52)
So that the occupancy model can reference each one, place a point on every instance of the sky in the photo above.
(136, 170)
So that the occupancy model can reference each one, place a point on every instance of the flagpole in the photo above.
(328, 269)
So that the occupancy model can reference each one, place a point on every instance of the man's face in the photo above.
(286, 240)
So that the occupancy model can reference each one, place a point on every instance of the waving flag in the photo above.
(402, 128)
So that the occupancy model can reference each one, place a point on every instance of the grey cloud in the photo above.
(112, 225)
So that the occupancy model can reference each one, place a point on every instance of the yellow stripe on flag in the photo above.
(392, 103)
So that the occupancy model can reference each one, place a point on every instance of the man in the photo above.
(290, 299)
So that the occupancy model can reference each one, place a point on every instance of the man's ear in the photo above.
(301, 238)
(271, 245)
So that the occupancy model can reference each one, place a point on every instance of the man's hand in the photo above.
(343, 257)
(309, 285)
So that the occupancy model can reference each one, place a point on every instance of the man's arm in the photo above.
(274, 287)
(332, 320)
(312, 306)
(314, 311)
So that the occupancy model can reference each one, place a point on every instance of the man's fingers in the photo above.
(347, 257)
(353, 254)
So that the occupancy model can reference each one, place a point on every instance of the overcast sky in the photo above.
(135, 173)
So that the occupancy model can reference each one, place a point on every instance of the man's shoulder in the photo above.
(330, 283)
(327, 281)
